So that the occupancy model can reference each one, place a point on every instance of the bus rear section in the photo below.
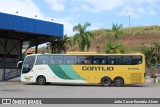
(113, 69)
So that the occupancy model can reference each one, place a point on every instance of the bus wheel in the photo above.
(106, 81)
(118, 81)
(41, 80)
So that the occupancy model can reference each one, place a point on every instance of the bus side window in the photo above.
(95, 62)
(110, 60)
(70, 60)
(44, 59)
(84, 60)
(126, 60)
(57, 59)
(114, 60)
(60, 62)
(139, 62)
(118, 60)
(52, 61)
(136, 60)
(87, 61)
(99, 60)
(103, 61)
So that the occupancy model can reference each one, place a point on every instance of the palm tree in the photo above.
(67, 41)
(157, 45)
(151, 56)
(116, 29)
(60, 45)
(56, 46)
(82, 36)
(114, 47)
(157, 49)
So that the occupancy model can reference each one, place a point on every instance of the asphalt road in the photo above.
(20, 90)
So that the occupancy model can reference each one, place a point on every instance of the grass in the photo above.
(133, 38)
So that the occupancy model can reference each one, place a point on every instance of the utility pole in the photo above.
(129, 17)
(129, 20)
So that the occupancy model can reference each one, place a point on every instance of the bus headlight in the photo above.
(28, 77)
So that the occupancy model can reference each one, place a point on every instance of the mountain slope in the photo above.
(133, 38)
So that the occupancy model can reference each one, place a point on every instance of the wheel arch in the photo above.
(41, 76)
(119, 77)
(105, 77)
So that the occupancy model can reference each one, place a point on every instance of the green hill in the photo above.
(133, 38)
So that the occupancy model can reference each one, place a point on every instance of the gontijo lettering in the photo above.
(97, 68)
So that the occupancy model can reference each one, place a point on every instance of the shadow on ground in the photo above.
(85, 85)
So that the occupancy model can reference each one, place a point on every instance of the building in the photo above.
(17, 32)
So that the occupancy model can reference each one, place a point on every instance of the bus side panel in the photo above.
(132, 74)
(63, 74)
(94, 73)
(117, 71)
(135, 74)
(86, 73)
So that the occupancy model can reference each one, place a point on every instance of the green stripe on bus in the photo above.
(71, 72)
(65, 72)
(58, 71)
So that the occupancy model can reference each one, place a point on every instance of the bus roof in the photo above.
(103, 54)
(88, 53)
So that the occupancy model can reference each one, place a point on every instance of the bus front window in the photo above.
(28, 64)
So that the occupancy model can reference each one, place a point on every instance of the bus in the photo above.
(84, 67)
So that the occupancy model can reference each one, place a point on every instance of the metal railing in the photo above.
(14, 73)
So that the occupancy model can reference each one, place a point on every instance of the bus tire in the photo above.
(41, 80)
(118, 81)
(106, 81)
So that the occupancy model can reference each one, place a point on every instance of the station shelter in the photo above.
(17, 33)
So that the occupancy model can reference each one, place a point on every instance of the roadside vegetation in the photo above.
(57, 45)
(133, 39)
(112, 47)
(82, 36)
(144, 39)
(117, 30)
(152, 57)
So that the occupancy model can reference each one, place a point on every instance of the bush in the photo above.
(152, 75)
(113, 47)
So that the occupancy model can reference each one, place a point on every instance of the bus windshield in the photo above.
(28, 64)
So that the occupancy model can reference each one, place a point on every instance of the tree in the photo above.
(114, 47)
(82, 36)
(151, 56)
(157, 49)
(157, 45)
(56, 46)
(67, 41)
(117, 30)
(60, 45)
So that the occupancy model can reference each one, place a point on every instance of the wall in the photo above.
(12, 54)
